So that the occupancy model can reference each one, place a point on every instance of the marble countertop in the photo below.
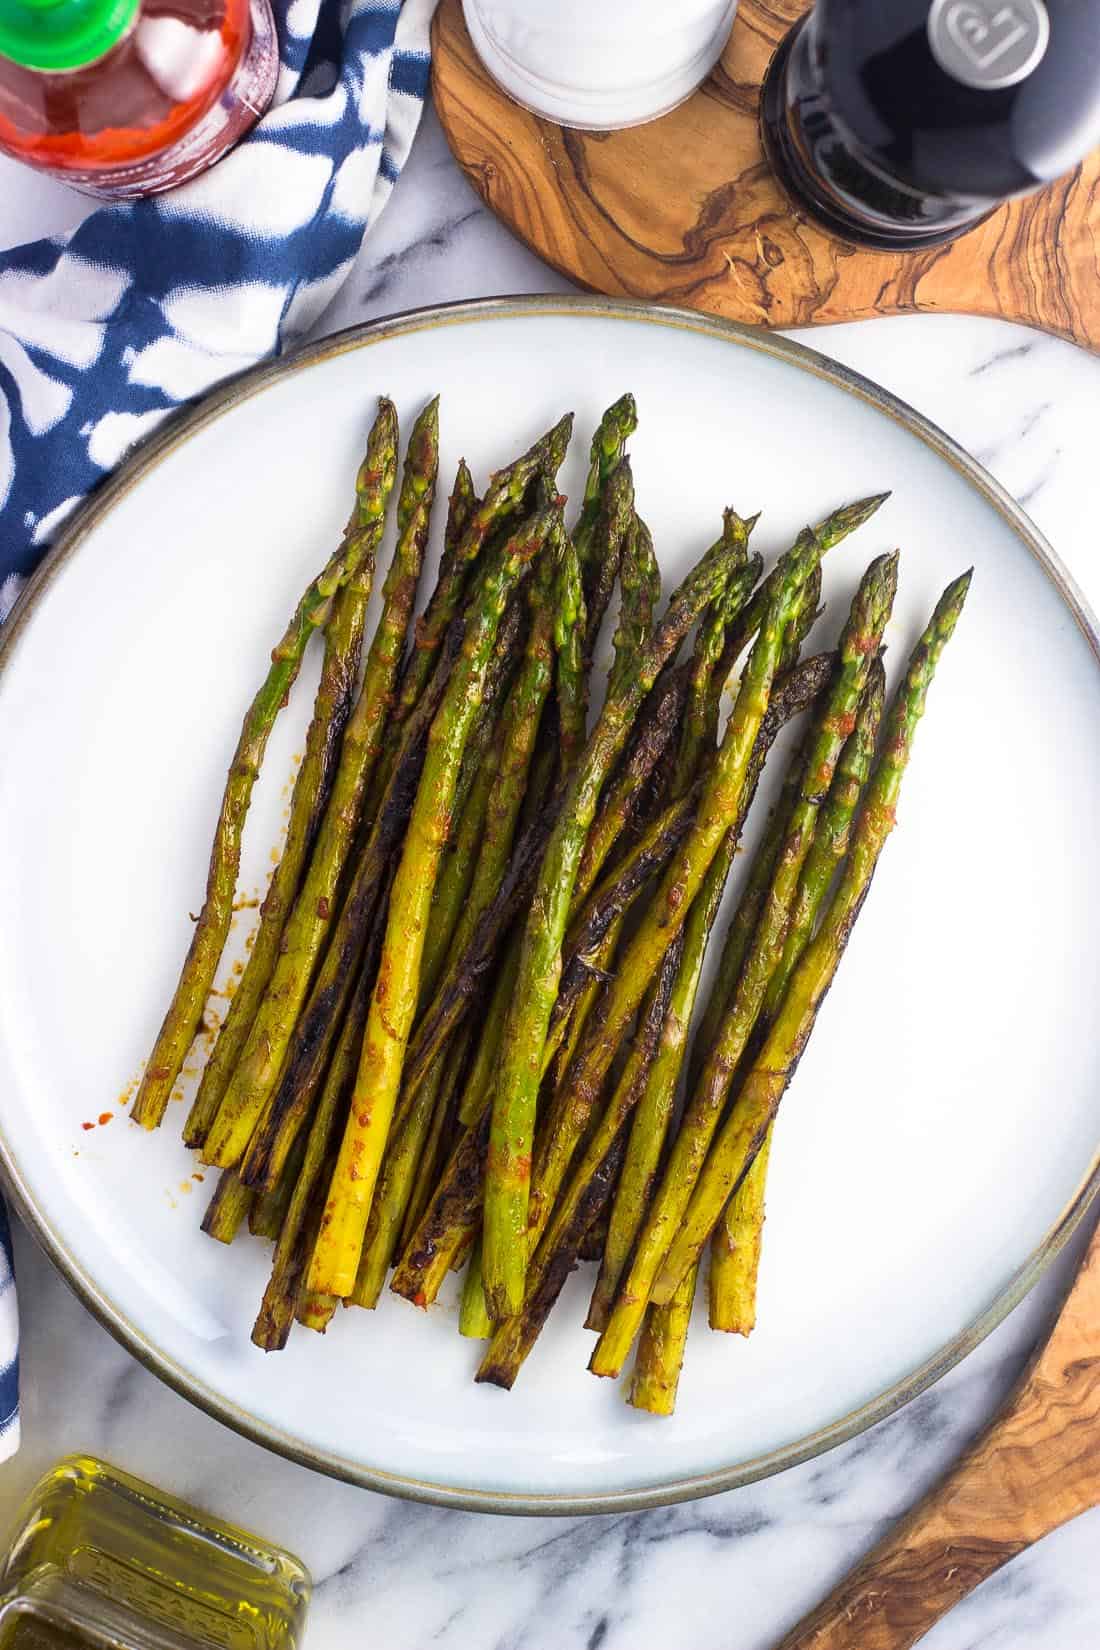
(738, 1569)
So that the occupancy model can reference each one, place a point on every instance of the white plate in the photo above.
(940, 1138)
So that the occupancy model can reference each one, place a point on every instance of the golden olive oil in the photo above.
(99, 1559)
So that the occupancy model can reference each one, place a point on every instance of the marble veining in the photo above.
(736, 1570)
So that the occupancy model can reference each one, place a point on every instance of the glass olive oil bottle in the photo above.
(99, 1559)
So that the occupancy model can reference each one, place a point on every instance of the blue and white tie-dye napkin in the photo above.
(105, 331)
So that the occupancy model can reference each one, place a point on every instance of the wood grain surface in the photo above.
(685, 210)
(1037, 1466)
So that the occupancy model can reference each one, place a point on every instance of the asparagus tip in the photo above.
(951, 602)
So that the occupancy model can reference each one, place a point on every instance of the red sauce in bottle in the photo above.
(180, 87)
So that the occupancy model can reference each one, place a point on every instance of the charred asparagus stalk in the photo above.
(363, 739)
(398, 1171)
(557, 1254)
(859, 643)
(771, 1072)
(295, 1241)
(508, 1182)
(718, 809)
(774, 1066)
(343, 641)
(650, 1124)
(336, 1254)
(454, 1212)
(735, 1249)
(228, 1207)
(473, 792)
(660, 1355)
(315, 1032)
(252, 1083)
(506, 494)
(181, 1022)
(569, 630)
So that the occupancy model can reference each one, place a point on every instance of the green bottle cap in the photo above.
(62, 34)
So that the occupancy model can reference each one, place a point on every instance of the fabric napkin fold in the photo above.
(148, 304)
(105, 331)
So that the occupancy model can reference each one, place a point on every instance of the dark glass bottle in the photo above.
(901, 123)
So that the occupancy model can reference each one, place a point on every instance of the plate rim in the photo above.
(180, 427)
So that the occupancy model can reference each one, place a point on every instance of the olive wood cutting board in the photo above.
(685, 209)
(1034, 1468)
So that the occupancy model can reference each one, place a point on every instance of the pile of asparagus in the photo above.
(460, 1034)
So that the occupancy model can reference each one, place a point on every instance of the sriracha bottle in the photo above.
(126, 97)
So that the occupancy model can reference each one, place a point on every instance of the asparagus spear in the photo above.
(589, 974)
(660, 1355)
(601, 568)
(302, 1070)
(421, 470)
(343, 641)
(505, 496)
(656, 728)
(461, 505)
(475, 1097)
(862, 633)
(649, 1126)
(557, 1254)
(441, 1135)
(608, 445)
(316, 1029)
(296, 1239)
(336, 1255)
(473, 1319)
(315, 1310)
(507, 1187)
(450, 1222)
(614, 896)
(746, 916)
(735, 1248)
(250, 1087)
(286, 1288)
(454, 1213)
(268, 1210)
(771, 1072)
(227, 1208)
(473, 792)
(833, 833)
(565, 720)
(395, 1180)
(515, 749)
(181, 1022)
(718, 808)
(705, 683)
(459, 859)
(640, 587)
(343, 644)
(829, 533)
(569, 629)
(465, 980)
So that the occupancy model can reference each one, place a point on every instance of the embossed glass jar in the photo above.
(599, 65)
(101, 1561)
